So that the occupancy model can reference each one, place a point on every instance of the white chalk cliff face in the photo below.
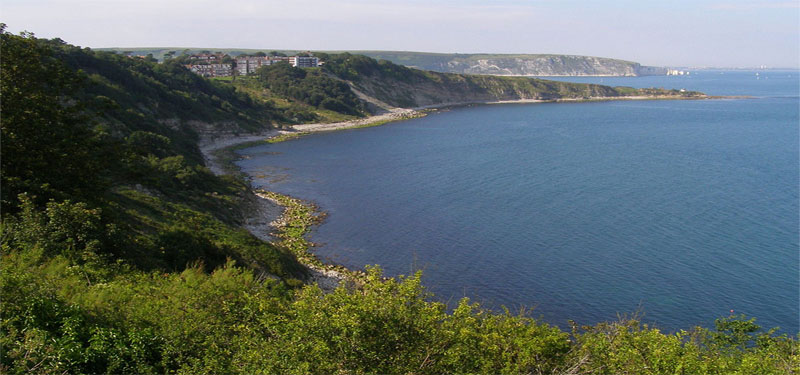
(548, 65)
(517, 64)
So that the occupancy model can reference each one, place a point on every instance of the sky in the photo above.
(677, 33)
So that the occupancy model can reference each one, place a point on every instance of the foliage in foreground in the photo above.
(59, 317)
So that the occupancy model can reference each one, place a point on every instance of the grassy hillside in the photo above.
(401, 86)
(122, 254)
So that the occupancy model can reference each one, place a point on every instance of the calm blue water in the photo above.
(583, 211)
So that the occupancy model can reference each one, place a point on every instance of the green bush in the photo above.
(63, 228)
(230, 321)
(312, 87)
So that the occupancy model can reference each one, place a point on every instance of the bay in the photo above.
(683, 210)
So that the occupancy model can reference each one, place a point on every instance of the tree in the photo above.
(48, 147)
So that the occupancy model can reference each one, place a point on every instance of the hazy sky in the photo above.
(724, 33)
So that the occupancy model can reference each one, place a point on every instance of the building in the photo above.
(202, 70)
(222, 70)
(277, 59)
(304, 61)
(210, 65)
(249, 64)
(212, 70)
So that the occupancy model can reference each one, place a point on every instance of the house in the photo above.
(249, 64)
(202, 70)
(212, 70)
(210, 65)
(277, 59)
(222, 70)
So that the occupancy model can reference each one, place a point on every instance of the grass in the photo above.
(223, 79)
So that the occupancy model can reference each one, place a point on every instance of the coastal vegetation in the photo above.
(401, 86)
(123, 253)
(311, 87)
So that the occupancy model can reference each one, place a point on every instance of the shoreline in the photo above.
(269, 212)
(400, 114)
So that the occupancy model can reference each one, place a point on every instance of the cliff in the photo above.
(517, 65)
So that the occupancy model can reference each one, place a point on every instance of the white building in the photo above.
(208, 65)
(304, 61)
(212, 70)
(249, 64)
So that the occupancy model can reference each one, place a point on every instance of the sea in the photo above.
(677, 212)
